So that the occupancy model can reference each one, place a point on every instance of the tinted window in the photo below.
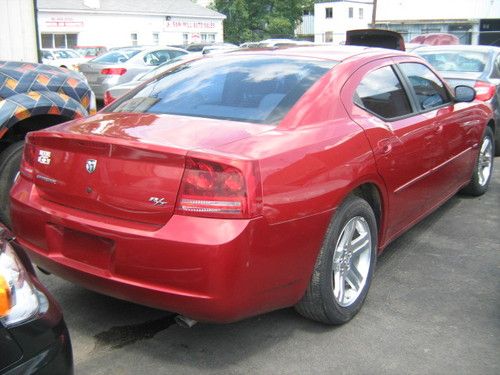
(115, 57)
(429, 89)
(381, 92)
(252, 89)
(496, 68)
(161, 56)
(162, 68)
(457, 61)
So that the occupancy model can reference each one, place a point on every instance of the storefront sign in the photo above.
(63, 22)
(189, 25)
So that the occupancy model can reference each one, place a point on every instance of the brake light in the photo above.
(114, 71)
(213, 189)
(27, 163)
(108, 99)
(484, 90)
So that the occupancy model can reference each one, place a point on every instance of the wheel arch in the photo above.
(491, 125)
(374, 193)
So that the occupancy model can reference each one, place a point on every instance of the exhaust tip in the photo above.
(184, 321)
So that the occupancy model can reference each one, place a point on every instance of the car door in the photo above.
(453, 122)
(404, 142)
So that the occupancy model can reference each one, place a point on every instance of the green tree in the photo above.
(251, 20)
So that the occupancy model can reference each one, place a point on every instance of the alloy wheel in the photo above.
(485, 161)
(351, 261)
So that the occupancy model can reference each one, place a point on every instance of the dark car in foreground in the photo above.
(246, 182)
(476, 66)
(33, 336)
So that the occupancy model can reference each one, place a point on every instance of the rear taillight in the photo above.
(484, 90)
(213, 189)
(108, 99)
(114, 71)
(28, 160)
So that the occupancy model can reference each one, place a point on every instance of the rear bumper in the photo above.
(207, 269)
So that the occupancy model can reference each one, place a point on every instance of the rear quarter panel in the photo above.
(308, 164)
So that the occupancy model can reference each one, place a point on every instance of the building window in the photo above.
(50, 40)
(133, 36)
(156, 39)
(351, 12)
(329, 36)
(207, 38)
(328, 12)
(360, 13)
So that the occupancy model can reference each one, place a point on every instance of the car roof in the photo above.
(326, 52)
(458, 47)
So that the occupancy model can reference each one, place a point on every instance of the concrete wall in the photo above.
(17, 31)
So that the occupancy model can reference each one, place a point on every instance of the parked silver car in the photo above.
(117, 91)
(123, 65)
(475, 66)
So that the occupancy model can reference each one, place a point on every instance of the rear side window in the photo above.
(115, 57)
(457, 61)
(496, 67)
(161, 56)
(249, 88)
(381, 92)
(429, 89)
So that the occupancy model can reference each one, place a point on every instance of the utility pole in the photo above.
(374, 13)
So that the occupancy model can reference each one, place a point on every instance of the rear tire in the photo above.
(483, 169)
(10, 160)
(344, 268)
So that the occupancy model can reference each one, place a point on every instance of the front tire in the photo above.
(10, 159)
(344, 268)
(483, 169)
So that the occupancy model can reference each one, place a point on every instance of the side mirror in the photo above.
(464, 94)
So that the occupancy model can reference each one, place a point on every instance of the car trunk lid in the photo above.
(126, 166)
(375, 38)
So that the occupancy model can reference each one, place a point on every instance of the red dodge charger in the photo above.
(246, 182)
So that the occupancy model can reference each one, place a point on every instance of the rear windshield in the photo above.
(249, 88)
(115, 57)
(457, 61)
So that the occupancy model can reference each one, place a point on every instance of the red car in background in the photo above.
(436, 39)
(251, 181)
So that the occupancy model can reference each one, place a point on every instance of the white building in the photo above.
(459, 17)
(114, 23)
(333, 18)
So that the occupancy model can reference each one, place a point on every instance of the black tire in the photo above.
(319, 301)
(10, 159)
(479, 184)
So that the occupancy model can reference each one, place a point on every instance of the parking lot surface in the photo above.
(433, 308)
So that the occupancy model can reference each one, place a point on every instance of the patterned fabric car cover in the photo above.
(28, 89)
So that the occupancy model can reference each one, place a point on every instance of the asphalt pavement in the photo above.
(433, 308)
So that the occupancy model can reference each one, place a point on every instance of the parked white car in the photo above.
(62, 57)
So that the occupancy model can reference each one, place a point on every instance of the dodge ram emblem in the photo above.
(91, 165)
